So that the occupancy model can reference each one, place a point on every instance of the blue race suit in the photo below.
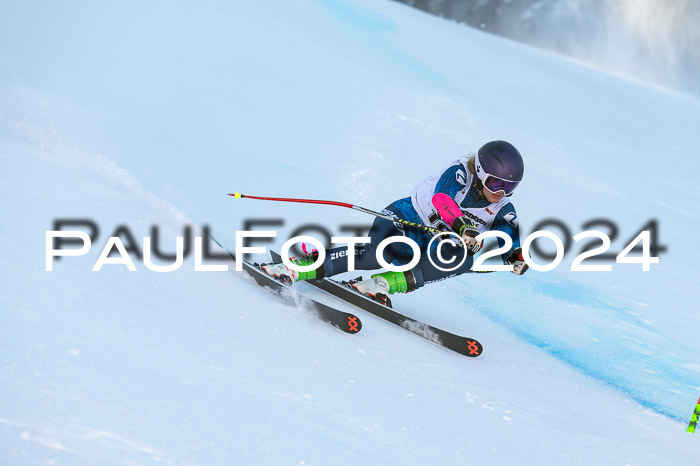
(457, 182)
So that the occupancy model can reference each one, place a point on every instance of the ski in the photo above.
(459, 344)
(348, 323)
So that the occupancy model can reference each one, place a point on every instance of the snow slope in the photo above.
(149, 113)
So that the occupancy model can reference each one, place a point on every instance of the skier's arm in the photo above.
(452, 180)
(517, 260)
(507, 222)
(449, 211)
(447, 208)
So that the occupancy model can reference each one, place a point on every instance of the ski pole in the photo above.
(238, 195)
(694, 419)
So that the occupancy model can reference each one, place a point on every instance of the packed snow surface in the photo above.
(135, 114)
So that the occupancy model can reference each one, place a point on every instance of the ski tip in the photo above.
(354, 324)
(473, 349)
(236, 195)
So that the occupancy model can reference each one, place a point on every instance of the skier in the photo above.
(469, 197)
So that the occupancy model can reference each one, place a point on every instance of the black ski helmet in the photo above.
(499, 166)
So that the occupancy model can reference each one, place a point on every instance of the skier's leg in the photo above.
(365, 254)
(381, 285)
(439, 269)
(337, 258)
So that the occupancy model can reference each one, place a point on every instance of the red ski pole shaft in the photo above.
(238, 195)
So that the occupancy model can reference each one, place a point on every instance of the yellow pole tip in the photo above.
(237, 195)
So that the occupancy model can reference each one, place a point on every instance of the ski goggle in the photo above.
(494, 185)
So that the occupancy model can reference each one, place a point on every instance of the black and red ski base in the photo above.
(463, 345)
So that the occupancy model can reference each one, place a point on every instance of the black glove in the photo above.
(517, 260)
(466, 229)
